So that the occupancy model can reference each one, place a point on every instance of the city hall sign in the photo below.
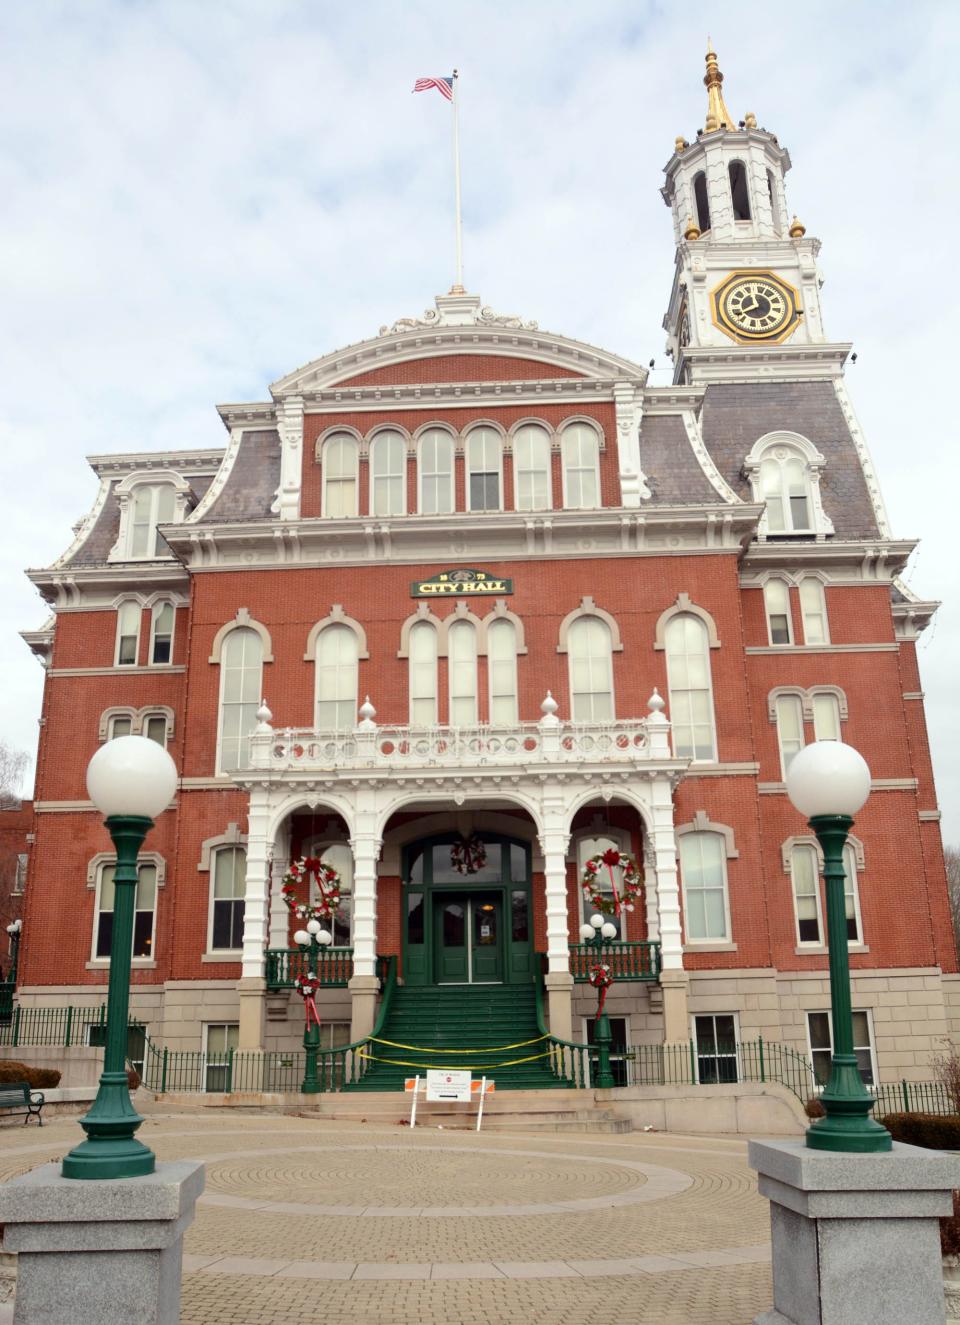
(451, 582)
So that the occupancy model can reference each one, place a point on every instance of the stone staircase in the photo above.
(507, 1110)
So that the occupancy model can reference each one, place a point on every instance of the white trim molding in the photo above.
(230, 837)
(683, 606)
(336, 617)
(589, 608)
(242, 619)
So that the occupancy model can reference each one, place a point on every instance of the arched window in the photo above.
(502, 668)
(340, 475)
(531, 470)
(228, 881)
(703, 872)
(462, 673)
(423, 674)
(155, 728)
(484, 461)
(119, 725)
(785, 487)
(591, 670)
(826, 716)
(161, 634)
(336, 679)
(241, 671)
(144, 911)
(340, 857)
(789, 709)
(776, 600)
(851, 894)
(805, 875)
(436, 472)
(813, 609)
(774, 202)
(128, 633)
(739, 191)
(691, 693)
(701, 200)
(579, 447)
(388, 474)
(587, 848)
(151, 504)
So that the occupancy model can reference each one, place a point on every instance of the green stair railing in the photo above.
(627, 961)
(334, 966)
(568, 1061)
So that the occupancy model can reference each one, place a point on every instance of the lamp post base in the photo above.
(111, 1150)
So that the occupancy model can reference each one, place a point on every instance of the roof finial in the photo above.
(718, 117)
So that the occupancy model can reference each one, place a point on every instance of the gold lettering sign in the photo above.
(451, 582)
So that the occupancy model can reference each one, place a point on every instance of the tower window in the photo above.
(739, 191)
(774, 203)
(700, 198)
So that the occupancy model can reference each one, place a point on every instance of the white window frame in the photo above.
(155, 488)
(488, 435)
(695, 1043)
(341, 479)
(807, 583)
(378, 444)
(122, 635)
(321, 670)
(20, 873)
(497, 629)
(216, 1067)
(422, 627)
(149, 716)
(226, 953)
(580, 627)
(112, 732)
(779, 448)
(774, 585)
(793, 699)
(520, 440)
(154, 617)
(225, 644)
(851, 888)
(571, 431)
(836, 710)
(462, 670)
(428, 435)
(110, 862)
(871, 1047)
(808, 847)
(723, 842)
(674, 690)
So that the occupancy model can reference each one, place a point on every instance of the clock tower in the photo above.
(745, 303)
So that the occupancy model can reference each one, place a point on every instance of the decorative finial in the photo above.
(797, 229)
(692, 230)
(655, 703)
(749, 120)
(264, 717)
(716, 106)
(679, 143)
(549, 705)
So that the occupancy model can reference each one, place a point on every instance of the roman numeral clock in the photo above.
(755, 306)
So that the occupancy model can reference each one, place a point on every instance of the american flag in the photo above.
(443, 85)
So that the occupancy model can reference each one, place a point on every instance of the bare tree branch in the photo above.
(13, 767)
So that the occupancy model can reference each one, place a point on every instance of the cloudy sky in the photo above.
(196, 198)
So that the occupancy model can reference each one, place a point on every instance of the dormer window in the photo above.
(152, 504)
(784, 470)
(340, 475)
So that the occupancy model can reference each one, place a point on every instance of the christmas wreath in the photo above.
(468, 855)
(307, 986)
(601, 979)
(622, 898)
(328, 887)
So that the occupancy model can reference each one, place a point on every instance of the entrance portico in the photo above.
(547, 770)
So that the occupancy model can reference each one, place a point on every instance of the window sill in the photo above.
(821, 950)
(138, 964)
(709, 947)
(227, 955)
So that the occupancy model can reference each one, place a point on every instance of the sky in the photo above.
(197, 198)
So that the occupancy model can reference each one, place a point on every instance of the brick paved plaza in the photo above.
(306, 1221)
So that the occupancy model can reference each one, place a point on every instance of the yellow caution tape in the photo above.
(423, 1048)
(450, 1067)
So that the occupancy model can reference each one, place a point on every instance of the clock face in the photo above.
(755, 306)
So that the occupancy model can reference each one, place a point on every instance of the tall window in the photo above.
(228, 881)
(161, 633)
(144, 912)
(241, 668)
(336, 678)
(785, 487)
(774, 203)
(701, 201)
(587, 848)
(580, 451)
(483, 470)
(128, 633)
(222, 1040)
(826, 716)
(340, 857)
(851, 894)
(813, 609)
(531, 470)
(462, 671)
(691, 696)
(776, 598)
(805, 875)
(340, 475)
(502, 670)
(789, 710)
(591, 670)
(739, 191)
(152, 504)
(820, 1032)
(155, 728)
(717, 1040)
(388, 474)
(703, 870)
(423, 674)
(436, 472)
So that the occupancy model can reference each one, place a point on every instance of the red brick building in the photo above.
(462, 562)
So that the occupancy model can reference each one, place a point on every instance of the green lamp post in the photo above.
(828, 782)
(595, 935)
(314, 937)
(130, 780)
(14, 929)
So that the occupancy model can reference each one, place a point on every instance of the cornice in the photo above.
(705, 365)
(878, 559)
(673, 399)
(206, 461)
(75, 586)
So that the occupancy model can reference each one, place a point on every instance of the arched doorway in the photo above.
(464, 928)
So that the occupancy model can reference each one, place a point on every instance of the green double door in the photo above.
(467, 939)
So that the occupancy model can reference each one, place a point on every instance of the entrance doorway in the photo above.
(467, 939)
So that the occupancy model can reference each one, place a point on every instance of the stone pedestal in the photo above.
(559, 987)
(363, 1005)
(855, 1237)
(103, 1252)
(253, 997)
(676, 1022)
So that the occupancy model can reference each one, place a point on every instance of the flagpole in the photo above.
(456, 178)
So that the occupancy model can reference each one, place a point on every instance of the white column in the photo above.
(279, 913)
(252, 985)
(650, 888)
(365, 844)
(673, 978)
(554, 840)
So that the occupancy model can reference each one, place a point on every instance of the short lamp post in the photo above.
(828, 782)
(315, 938)
(595, 934)
(130, 780)
(14, 929)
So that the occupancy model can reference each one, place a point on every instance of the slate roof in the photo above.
(253, 481)
(673, 472)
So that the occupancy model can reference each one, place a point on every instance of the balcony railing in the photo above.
(334, 966)
(627, 961)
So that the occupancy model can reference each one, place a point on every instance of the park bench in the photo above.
(17, 1097)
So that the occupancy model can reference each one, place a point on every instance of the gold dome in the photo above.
(797, 229)
(691, 230)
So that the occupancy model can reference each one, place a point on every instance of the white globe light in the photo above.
(301, 937)
(609, 931)
(131, 775)
(325, 937)
(313, 926)
(586, 933)
(828, 777)
(596, 921)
